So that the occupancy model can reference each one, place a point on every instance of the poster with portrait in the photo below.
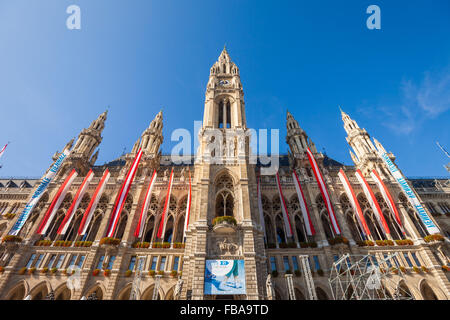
(224, 277)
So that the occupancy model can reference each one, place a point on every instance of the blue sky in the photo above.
(305, 56)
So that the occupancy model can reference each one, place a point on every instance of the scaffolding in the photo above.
(134, 295)
(363, 277)
(290, 286)
(156, 288)
(304, 261)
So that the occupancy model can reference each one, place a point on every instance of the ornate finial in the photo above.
(105, 113)
(288, 113)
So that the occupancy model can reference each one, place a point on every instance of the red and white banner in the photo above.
(287, 220)
(57, 200)
(75, 203)
(301, 198)
(144, 209)
(188, 207)
(89, 213)
(324, 191)
(387, 197)
(121, 197)
(354, 202)
(373, 202)
(260, 207)
(3, 150)
(162, 224)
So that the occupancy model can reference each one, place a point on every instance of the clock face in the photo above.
(224, 82)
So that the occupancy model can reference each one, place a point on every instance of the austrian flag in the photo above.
(162, 225)
(144, 209)
(324, 191)
(60, 195)
(75, 203)
(122, 196)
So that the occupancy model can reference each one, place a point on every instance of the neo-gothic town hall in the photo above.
(121, 251)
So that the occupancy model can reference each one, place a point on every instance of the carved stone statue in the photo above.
(166, 175)
(304, 173)
(227, 247)
(225, 148)
(178, 288)
(326, 174)
(231, 147)
(269, 288)
(242, 143)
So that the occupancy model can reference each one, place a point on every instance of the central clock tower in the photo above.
(224, 184)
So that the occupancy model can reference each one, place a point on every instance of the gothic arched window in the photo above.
(150, 223)
(413, 216)
(324, 216)
(389, 217)
(179, 231)
(372, 222)
(269, 230)
(326, 226)
(224, 197)
(228, 124)
(352, 222)
(148, 235)
(299, 228)
(281, 236)
(224, 204)
(121, 226)
(220, 115)
(294, 207)
(56, 222)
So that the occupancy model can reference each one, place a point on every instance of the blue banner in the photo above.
(224, 277)
(38, 193)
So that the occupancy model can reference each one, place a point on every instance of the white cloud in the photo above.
(433, 96)
(420, 102)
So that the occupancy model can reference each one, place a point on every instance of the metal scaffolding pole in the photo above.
(156, 289)
(364, 277)
(134, 295)
(304, 261)
(290, 286)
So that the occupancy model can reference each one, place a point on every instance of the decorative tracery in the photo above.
(224, 197)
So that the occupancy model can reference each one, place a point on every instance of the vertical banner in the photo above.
(286, 219)
(224, 277)
(388, 198)
(88, 214)
(144, 209)
(324, 191)
(75, 203)
(373, 202)
(162, 224)
(38, 193)
(121, 197)
(428, 223)
(59, 198)
(354, 203)
(260, 207)
(301, 198)
(3, 150)
(188, 207)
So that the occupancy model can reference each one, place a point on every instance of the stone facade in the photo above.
(224, 182)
